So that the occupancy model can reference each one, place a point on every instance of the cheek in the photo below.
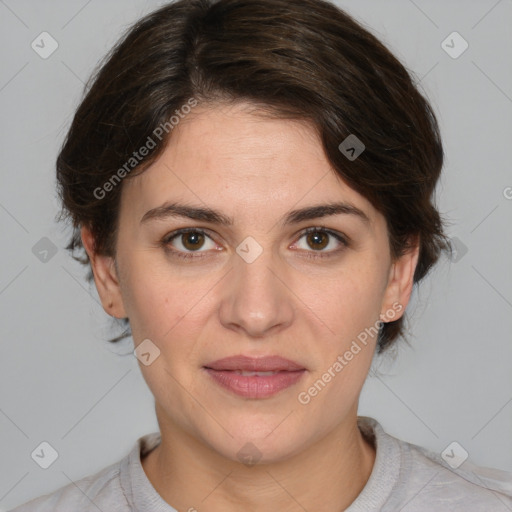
(166, 309)
(149, 306)
(155, 300)
(168, 306)
(350, 303)
(350, 307)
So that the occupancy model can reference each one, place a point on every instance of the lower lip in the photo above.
(255, 386)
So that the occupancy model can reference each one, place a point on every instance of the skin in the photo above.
(254, 170)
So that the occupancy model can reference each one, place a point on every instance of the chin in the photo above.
(259, 442)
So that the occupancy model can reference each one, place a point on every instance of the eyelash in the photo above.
(197, 255)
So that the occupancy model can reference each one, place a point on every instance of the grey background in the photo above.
(60, 381)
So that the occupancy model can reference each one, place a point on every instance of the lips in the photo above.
(251, 377)
(255, 364)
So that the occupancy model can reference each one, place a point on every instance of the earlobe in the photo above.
(400, 284)
(105, 276)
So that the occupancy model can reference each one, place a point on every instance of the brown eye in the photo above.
(192, 241)
(317, 240)
(320, 242)
(188, 243)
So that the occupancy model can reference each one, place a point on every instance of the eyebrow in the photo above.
(169, 210)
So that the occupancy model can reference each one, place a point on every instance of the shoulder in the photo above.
(108, 489)
(427, 478)
(416, 479)
(88, 494)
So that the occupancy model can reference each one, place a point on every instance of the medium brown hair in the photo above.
(300, 59)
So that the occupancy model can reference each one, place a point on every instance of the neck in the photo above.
(327, 476)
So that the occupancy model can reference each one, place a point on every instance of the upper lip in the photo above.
(255, 364)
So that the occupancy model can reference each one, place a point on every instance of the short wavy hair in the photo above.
(300, 59)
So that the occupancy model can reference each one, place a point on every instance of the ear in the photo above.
(400, 284)
(105, 277)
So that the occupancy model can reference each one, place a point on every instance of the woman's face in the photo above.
(251, 281)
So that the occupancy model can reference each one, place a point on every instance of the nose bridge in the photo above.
(256, 300)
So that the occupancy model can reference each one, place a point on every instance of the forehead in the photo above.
(235, 159)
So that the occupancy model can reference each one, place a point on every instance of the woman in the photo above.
(252, 182)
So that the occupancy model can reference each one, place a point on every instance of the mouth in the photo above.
(252, 377)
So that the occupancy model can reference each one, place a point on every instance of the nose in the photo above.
(258, 300)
